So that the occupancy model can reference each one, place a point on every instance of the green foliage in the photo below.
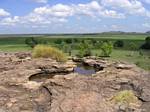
(32, 42)
(58, 41)
(43, 51)
(126, 96)
(68, 40)
(119, 43)
(133, 46)
(146, 45)
(85, 48)
(106, 49)
(66, 48)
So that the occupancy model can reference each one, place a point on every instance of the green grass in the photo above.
(16, 43)
(14, 48)
(132, 57)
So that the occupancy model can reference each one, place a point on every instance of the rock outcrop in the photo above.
(60, 90)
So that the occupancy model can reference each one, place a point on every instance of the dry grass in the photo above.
(126, 96)
(43, 51)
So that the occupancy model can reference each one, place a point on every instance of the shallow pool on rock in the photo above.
(84, 69)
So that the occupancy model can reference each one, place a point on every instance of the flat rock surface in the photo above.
(68, 92)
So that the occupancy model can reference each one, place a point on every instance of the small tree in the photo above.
(85, 48)
(66, 48)
(106, 49)
(146, 45)
(32, 42)
(132, 47)
(119, 43)
(58, 41)
(68, 40)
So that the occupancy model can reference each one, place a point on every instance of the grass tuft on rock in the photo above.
(126, 96)
(44, 51)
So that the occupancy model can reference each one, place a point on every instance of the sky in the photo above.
(73, 16)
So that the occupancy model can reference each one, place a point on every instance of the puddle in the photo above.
(80, 69)
(84, 69)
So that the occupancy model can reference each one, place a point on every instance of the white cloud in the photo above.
(92, 9)
(60, 13)
(58, 10)
(146, 1)
(40, 1)
(112, 14)
(129, 6)
(147, 25)
(10, 21)
(4, 13)
(116, 27)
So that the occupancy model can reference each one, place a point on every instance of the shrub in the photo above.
(119, 43)
(66, 48)
(32, 42)
(58, 41)
(126, 96)
(69, 40)
(132, 46)
(48, 52)
(106, 48)
(146, 45)
(85, 48)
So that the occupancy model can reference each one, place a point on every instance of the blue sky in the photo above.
(73, 16)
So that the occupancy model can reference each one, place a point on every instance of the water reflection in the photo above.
(84, 70)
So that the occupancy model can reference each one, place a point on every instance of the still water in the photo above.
(84, 69)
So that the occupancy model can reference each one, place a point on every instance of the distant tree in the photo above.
(66, 48)
(119, 43)
(132, 46)
(106, 49)
(58, 41)
(32, 42)
(146, 45)
(68, 40)
(85, 48)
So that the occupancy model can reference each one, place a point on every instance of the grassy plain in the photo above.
(15, 43)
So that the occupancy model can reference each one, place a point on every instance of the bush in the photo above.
(85, 48)
(132, 46)
(32, 42)
(106, 48)
(58, 41)
(119, 43)
(49, 52)
(146, 45)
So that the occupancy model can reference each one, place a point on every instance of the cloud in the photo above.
(129, 6)
(40, 1)
(112, 14)
(147, 25)
(58, 10)
(4, 13)
(9, 21)
(92, 9)
(146, 1)
(60, 13)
